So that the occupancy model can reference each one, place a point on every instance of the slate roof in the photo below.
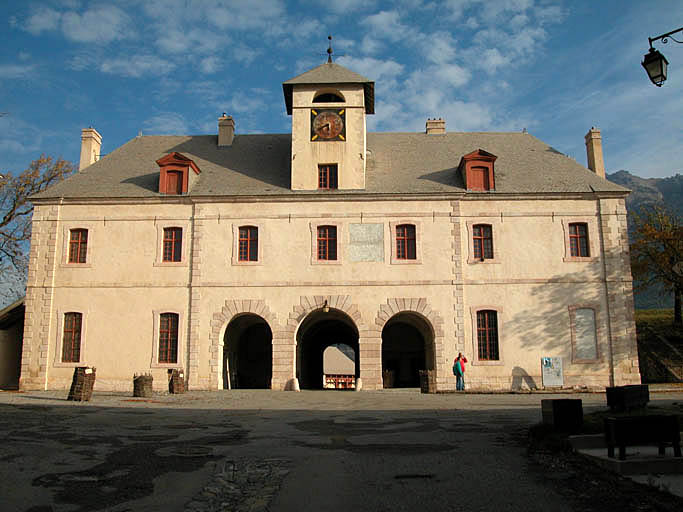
(331, 73)
(397, 163)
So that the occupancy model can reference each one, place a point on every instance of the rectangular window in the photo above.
(487, 335)
(173, 244)
(78, 245)
(585, 338)
(578, 239)
(405, 242)
(327, 242)
(168, 338)
(482, 238)
(248, 249)
(327, 176)
(71, 340)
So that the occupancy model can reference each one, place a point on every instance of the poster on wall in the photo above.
(551, 370)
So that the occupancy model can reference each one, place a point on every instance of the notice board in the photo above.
(551, 370)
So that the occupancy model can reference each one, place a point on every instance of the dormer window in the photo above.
(175, 177)
(328, 97)
(477, 169)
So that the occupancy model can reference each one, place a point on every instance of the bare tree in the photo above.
(16, 212)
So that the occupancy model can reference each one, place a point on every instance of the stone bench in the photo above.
(661, 430)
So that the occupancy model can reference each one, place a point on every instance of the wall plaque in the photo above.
(366, 242)
(551, 370)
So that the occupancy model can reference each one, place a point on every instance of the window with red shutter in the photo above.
(327, 176)
(327, 242)
(482, 241)
(173, 244)
(71, 339)
(168, 338)
(578, 240)
(78, 245)
(405, 242)
(248, 243)
(487, 335)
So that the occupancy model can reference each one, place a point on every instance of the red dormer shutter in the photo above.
(477, 170)
(174, 173)
(174, 182)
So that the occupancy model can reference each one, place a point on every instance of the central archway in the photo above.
(407, 348)
(247, 353)
(318, 331)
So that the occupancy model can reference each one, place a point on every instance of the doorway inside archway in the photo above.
(407, 348)
(317, 332)
(247, 353)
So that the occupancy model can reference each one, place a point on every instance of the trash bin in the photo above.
(142, 385)
(82, 384)
(176, 383)
(427, 381)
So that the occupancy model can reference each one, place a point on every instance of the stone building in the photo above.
(240, 258)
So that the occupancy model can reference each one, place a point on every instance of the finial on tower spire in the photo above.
(329, 50)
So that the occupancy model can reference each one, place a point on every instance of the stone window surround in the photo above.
(59, 334)
(592, 226)
(418, 242)
(236, 243)
(185, 249)
(341, 236)
(66, 237)
(156, 318)
(475, 342)
(495, 229)
(599, 332)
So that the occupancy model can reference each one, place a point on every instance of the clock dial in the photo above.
(327, 125)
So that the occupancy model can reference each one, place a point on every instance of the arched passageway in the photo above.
(318, 331)
(247, 353)
(407, 348)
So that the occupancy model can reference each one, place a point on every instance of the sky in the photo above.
(554, 67)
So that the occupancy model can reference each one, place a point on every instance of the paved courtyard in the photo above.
(277, 451)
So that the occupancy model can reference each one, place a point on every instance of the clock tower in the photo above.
(328, 105)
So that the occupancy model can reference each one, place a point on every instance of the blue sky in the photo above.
(164, 67)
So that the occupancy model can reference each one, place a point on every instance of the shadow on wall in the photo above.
(546, 331)
(522, 380)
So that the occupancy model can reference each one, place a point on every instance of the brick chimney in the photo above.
(594, 152)
(435, 126)
(226, 130)
(91, 142)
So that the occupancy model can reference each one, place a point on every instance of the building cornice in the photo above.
(337, 197)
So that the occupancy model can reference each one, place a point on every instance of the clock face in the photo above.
(327, 125)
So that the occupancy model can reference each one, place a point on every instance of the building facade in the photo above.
(241, 258)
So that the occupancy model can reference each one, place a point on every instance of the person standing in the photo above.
(459, 371)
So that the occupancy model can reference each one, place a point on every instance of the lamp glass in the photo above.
(656, 65)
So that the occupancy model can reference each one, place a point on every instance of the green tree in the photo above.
(657, 252)
(15, 217)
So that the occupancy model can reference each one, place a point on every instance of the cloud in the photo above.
(374, 69)
(347, 6)
(13, 71)
(43, 19)
(137, 66)
(387, 25)
(196, 41)
(100, 24)
(166, 123)
(210, 65)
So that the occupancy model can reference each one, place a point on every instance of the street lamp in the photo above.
(654, 62)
